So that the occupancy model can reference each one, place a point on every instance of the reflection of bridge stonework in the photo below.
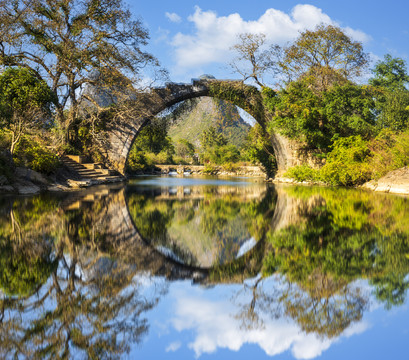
(126, 244)
(122, 132)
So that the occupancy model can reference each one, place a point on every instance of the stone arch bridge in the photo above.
(122, 131)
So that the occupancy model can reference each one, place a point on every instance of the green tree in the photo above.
(25, 102)
(185, 149)
(64, 41)
(210, 138)
(391, 77)
(258, 150)
(348, 162)
(391, 74)
(327, 53)
(317, 119)
(153, 137)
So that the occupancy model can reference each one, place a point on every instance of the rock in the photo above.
(6, 189)
(79, 183)
(396, 182)
(31, 175)
(3, 180)
(28, 189)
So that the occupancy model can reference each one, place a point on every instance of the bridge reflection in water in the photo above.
(74, 268)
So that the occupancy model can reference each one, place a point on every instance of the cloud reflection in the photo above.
(215, 326)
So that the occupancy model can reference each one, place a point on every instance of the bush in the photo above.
(210, 169)
(36, 156)
(230, 167)
(303, 173)
(137, 161)
(390, 151)
(348, 162)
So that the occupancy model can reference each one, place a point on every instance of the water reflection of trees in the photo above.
(63, 295)
(207, 221)
(69, 285)
(337, 238)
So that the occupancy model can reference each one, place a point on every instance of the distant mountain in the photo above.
(206, 113)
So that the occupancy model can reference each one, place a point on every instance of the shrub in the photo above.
(390, 151)
(230, 167)
(303, 173)
(348, 162)
(209, 169)
(137, 161)
(31, 154)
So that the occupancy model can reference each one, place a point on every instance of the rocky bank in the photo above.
(395, 182)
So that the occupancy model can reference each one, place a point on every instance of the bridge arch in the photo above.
(122, 132)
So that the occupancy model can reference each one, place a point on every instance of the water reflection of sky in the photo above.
(196, 322)
(189, 181)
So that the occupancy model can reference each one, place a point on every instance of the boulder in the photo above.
(396, 182)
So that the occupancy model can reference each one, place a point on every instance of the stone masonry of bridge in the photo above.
(122, 132)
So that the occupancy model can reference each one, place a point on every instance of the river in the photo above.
(200, 267)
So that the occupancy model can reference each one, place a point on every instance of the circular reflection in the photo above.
(201, 225)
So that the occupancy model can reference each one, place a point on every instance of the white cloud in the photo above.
(173, 346)
(215, 327)
(173, 17)
(214, 35)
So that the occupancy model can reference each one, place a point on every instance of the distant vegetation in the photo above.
(205, 132)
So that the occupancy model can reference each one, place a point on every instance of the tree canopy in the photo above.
(63, 41)
(25, 101)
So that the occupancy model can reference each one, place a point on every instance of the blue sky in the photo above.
(191, 38)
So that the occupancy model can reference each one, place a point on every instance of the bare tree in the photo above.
(253, 58)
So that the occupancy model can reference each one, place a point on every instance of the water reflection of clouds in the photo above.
(215, 327)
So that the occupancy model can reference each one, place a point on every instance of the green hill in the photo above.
(206, 113)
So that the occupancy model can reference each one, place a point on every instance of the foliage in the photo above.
(152, 145)
(341, 111)
(347, 163)
(390, 73)
(326, 47)
(25, 102)
(185, 149)
(36, 156)
(246, 97)
(153, 137)
(137, 161)
(212, 138)
(389, 151)
(209, 169)
(303, 173)
(68, 40)
(393, 108)
(258, 150)
(221, 154)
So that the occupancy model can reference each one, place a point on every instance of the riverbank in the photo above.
(394, 182)
(233, 170)
(29, 182)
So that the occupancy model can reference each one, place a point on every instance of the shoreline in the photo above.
(30, 182)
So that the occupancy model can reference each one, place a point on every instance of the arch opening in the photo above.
(235, 93)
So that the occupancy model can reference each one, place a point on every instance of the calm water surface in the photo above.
(182, 268)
